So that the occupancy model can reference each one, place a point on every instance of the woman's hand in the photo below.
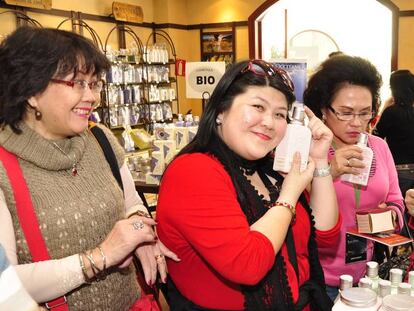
(321, 137)
(295, 181)
(347, 160)
(409, 201)
(125, 237)
(152, 258)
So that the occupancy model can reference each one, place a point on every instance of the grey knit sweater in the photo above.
(75, 213)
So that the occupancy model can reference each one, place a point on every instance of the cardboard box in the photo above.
(375, 220)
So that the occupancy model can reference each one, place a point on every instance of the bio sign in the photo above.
(202, 77)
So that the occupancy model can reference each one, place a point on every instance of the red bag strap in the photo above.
(27, 218)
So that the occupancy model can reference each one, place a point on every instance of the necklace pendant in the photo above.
(74, 170)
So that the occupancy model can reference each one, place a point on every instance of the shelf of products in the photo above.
(141, 86)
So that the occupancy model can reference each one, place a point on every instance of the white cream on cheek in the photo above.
(249, 115)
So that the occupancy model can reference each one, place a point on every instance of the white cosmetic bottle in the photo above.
(297, 139)
(367, 155)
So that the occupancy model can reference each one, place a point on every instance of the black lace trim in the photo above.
(273, 292)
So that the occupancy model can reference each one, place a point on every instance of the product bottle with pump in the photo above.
(297, 139)
(367, 155)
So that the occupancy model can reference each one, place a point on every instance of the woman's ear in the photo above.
(219, 119)
(33, 102)
(324, 111)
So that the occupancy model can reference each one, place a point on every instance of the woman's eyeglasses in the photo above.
(348, 116)
(81, 85)
(261, 68)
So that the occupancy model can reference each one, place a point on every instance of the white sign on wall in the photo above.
(202, 77)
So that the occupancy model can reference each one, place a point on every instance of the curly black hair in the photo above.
(333, 74)
(402, 88)
(30, 57)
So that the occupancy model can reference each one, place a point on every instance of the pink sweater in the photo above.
(382, 187)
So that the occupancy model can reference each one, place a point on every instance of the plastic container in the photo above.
(357, 298)
(365, 283)
(372, 274)
(395, 278)
(297, 139)
(404, 289)
(397, 303)
(345, 281)
(367, 155)
(384, 288)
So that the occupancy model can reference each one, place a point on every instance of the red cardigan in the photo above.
(200, 219)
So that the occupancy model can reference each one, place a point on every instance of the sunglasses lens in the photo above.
(262, 68)
(258, 70)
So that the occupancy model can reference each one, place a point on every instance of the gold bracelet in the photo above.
(289, 206)
(103, 274)
(84, 272)
(141, 214)
(95, 269)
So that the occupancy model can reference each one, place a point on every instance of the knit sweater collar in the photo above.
(34, 148)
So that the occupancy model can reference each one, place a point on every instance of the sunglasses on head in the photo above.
(262, 68)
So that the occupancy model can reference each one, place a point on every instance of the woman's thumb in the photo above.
(296, 162)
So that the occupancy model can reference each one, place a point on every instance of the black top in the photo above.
(396, 125)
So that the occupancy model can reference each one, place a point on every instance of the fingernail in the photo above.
(156, 238)
(164, 280)
(150, 283)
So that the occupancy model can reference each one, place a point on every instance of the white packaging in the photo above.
(169, 133)
(157, 145)
(367, 155)
(152, 179)
(172, 94)
(157, 162)
(297, 139)
(169, 148)
(192, 131)
(181, 137)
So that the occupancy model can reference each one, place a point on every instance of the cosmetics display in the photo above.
(373, 293)
(168, 139)
(140, 87)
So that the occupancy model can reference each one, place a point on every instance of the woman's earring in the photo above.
(323, 118)
(218, 121)
(38, 115)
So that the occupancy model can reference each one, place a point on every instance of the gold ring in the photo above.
(159, 256)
